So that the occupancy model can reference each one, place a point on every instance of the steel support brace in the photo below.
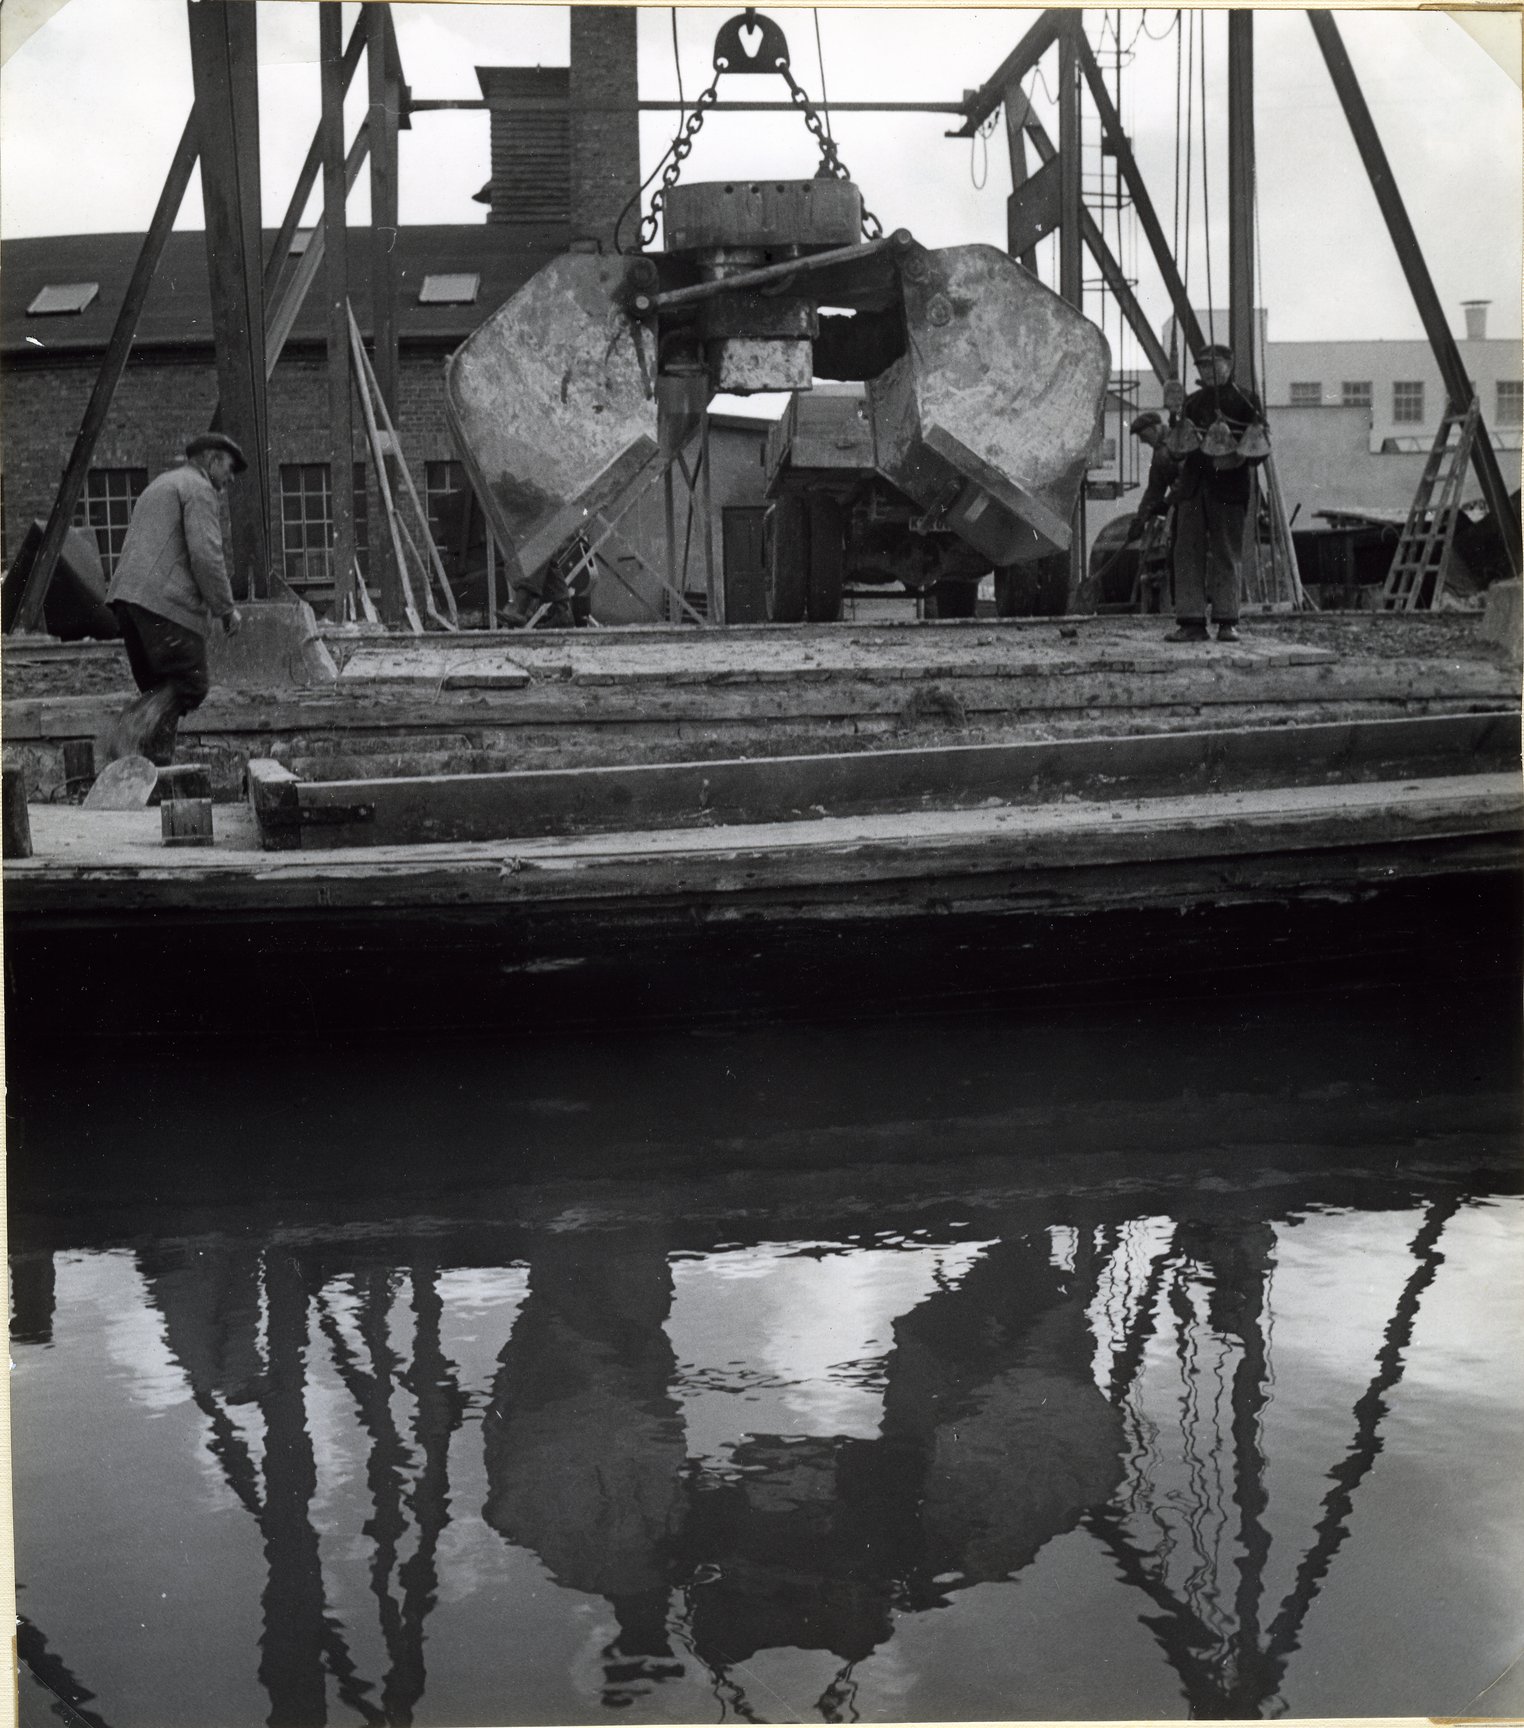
(1148, 217)
(1452, 368)
(1070, 256)
(29, 615)
(1016, 65)
(224, 62)
(1241, 193)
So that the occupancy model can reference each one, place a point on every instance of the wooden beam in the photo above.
(30, 612)
(1148, 219)
(337, 67)
(1452, 369)
(311, 167)
(282, 316)
(384, 112)
(1241, 193)
(224, 62)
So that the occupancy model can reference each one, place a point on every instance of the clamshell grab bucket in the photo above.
(994, 410)
(552, 404)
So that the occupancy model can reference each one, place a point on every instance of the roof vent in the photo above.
(63, 297)
(457, 289)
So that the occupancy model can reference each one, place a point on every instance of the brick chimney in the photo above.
(563, 166)
(1476, 319)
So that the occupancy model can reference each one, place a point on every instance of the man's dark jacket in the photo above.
(1198, 472)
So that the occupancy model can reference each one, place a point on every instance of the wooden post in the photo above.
(1071, 259)
(307, 179)
(29, 613)
(1241, 195)
(15, 824)
(491, 579)
(341, 545)
(385, 103)
(224, 59)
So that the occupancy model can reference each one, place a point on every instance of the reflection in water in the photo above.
(446, 1407)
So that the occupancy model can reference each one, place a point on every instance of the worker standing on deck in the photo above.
(170, 582)
(1155, 525)
(1212, 498)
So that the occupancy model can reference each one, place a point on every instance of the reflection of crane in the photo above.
(815, 1543)
(1239, 1674)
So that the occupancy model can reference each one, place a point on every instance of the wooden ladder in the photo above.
(1422, 560)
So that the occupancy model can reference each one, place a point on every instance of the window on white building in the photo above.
(106, 507)
(1306, 395)
(1510, 409)
(1407, 403)
(1357, 395)
(452, 288)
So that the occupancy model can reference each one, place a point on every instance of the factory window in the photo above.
(300, 241)
(1306, 395)
(306, 519)
(1357, 395)
(63, 297)
(1510, 402)
(444, 487)
(106, 506)
(1407, 403)
(449, 290)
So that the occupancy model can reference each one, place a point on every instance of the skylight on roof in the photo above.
(450, 290)
(63, 297)
(299, 242)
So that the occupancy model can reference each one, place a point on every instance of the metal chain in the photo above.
(833, 165)
(682, 148)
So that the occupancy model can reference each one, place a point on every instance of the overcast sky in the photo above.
(91, 106)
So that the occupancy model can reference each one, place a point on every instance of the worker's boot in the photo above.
(133, 731)
(1188, 630)
(1228, 632)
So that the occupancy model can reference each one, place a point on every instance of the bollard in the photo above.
(186, 821)
(182, 780)
(17, 824)
(78, 766)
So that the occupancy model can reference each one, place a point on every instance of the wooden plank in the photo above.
(224, 58)
(29, 614)
(431, 809)
(15, 826)
(382, 122)
(337, 69)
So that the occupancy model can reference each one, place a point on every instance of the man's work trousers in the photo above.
(1209, 549)
(164, 656)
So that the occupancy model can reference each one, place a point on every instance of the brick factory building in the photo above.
(561, 175)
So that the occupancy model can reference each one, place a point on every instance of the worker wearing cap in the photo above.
(169, 584)
(1212, 498)
(1154, 507)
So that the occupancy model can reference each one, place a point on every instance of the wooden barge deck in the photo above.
(1108, 832)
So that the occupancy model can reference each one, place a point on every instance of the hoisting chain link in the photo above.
(833, 166)
(682, 147)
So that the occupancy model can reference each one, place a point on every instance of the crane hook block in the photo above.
(750, 42)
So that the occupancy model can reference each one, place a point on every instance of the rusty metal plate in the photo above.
(996, 405)
(716, 214)
(551, 404)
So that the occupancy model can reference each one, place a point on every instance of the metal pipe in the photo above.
(1241, 193)
(770, 273)
(527, 105)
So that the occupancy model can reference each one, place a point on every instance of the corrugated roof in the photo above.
(178, 309)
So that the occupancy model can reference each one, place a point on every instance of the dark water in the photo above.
(1136, 1365)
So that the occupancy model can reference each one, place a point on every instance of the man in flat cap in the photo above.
(1212, 499)
(170, 583)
